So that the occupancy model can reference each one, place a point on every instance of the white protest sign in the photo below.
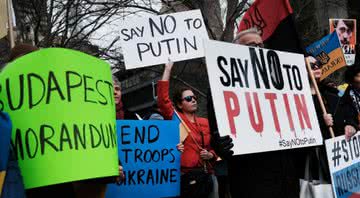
(344, 164)
(154, 40)
(261, 97)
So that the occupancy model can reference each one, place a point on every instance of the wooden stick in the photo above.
(183, 135)
(317, 92)
(10, 24)
(2, 179)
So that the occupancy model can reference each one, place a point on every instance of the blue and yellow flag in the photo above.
(328, 53)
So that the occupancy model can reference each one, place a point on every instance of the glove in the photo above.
(222, 146)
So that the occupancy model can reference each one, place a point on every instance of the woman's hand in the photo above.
(180, 147)
(167, 70)
(206, 155)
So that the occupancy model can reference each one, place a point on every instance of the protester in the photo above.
(270, 174)
(198, 157)
(350, 102)
(119, 116)
(13, 183)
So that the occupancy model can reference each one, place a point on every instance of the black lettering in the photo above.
(123, 134)
(138, 154)
(220, 62)
(198, 24)
(18, 145)
(287, 68)
(297, 77)
(123, 32)
(64, 137)
(46, 139)
(30, 89)
(51, 80)
(192, 45)
(149, 177)
(142, 50)
(30, 143)
(92, 130)
(172, 29)
(235, 73)
(102, 95)
(106, 141)
(127, 151)
(275, 70)
(259, 68)
(167, 44)
(344, 148)
(156, 136)
(140, 174)
(153, 25)
(78, 138)
(87, 89)
(12, 89)
(69, 83)
(173, 172)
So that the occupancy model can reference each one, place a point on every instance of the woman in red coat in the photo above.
(197, 152)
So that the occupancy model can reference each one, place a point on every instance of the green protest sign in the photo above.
(62, 108)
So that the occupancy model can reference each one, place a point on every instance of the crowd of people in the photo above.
(203, 149)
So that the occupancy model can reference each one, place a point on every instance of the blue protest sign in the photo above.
(151, 162)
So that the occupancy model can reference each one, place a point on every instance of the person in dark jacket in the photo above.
(269, 174)
(340, 119)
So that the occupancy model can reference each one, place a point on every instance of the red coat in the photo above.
(190, 158)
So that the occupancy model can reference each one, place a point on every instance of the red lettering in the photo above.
(272, 97)
(302, 111)
(288, 112)
(231, 111)
(257, 126)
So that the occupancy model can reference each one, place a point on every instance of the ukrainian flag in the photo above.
(328, 53)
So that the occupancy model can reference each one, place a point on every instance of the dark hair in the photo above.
(349, 24)
(351, 72)
(21, 50)
(177, 96)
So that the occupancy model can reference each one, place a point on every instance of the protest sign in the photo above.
(328, 54)
(261, 97)
(344, 163)
(147, 151)
(61, 106)
(154, 40)
(346, 31)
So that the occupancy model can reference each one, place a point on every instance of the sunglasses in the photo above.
(189, 98)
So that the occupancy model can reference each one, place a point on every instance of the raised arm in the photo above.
(163, 99)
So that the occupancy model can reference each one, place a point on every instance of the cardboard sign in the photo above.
(151, 162)
(62, 109)
(328, 54)
(344, 163)
(346, 31)
(261, 97)
(154, 40)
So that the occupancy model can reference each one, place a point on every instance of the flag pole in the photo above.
(318, 94)
(10, 24)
